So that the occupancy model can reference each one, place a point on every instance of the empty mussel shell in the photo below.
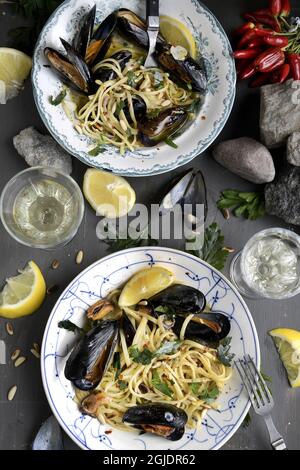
(206, 328)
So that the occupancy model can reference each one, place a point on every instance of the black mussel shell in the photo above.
(101, 40)
(84, 35)
(214, 327)
(134, 28)
(140, 109)
(128, 330)
(72, 70)
(188, 71)
(91, 356)
(166, 124)
(104, 74)
(180, 299)
(158, 418)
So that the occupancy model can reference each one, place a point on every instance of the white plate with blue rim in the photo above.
(215, 49)
(96, 282)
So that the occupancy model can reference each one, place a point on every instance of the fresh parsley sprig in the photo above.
(224, 354)
(250, 205)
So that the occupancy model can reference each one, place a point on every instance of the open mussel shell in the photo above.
(140, 109)
(71, 70)
(104, 74)
(206, 328)
(133, 27)
(187, 71)
(180, 299)
(165, 420)
(166, 124)
(128, 330)
(101, 40)
(84, 35)
(90, 358)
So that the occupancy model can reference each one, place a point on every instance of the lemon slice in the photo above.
(15, 67)
(110, 195)
(288, 344)
(144, 285)
(177, 34)
(23, 294)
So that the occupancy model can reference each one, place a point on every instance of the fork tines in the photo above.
(255, 384)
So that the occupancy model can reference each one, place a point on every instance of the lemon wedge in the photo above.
(288, 344)
(23, 294)
(177, 34)
(145, 284)
(110, 195)
(15, 67)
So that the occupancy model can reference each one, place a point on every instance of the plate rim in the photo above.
(135, 250)
(135, 172)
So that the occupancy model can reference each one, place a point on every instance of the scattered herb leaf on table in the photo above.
(243, 204)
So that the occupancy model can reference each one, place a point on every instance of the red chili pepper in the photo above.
(247, 72)
(255, 43)
(285, 8)
(270, 60)
(281, 74)
(277, 41)
(261, 32)
(247, 53)
(260, 80)
(244, 28)
(294, 61)
(246, 38)
(264, 17)
(275, 7)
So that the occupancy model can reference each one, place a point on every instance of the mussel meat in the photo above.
(161, 419)
(128, 330)
(90, 358)
(100, 310)
(206, 328)
(104, 74)
(166, 124)
(72, 70)
(84, 35)
(180, 300)
(185, 69)
(101, 39)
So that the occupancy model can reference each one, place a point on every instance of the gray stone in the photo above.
(282, 196)
(42, 150)
(293, 149)
(247, 158)
(279, 113)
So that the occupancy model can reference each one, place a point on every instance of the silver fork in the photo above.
(153, 30)
(261, 398)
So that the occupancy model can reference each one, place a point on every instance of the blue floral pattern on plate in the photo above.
(217, 53)
(96, 282)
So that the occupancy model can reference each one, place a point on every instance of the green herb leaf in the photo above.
(209, 396)
(160, 385)
(168, 348)
(194, 107)
(123, 244)
(69, 326)
(56, 101)
(224, 354)
(195, 388)
(154, 113)
(122, 385)
(131, 79)
(250, 205)
(213, 250)
(121, 105)
(117, 364)
(141, 357)
(96, 151)
(171, 143)
(165, 310)
(158, 81)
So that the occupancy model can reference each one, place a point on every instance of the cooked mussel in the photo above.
(133, 27)
(104, 74)
(84, 35)
(91, 356)
(128, 330)
(180, 300)
(140, 109)
(72, 70)
(100, 309)
(165, 420)
(183, 68)
(101, 39)
(206, 328)
(166, 124)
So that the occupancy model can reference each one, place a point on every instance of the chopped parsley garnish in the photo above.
(121, 105)
(122, 385)
(96, 151)
(160, 385)
(131, 79)
(154, 113)
(158, 81)
(145, 357)
(56, 101)
(209, 396)
(171, 143)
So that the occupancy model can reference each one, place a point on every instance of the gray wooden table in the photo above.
(20, 420)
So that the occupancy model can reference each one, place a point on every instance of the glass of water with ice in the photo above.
(269, 265)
